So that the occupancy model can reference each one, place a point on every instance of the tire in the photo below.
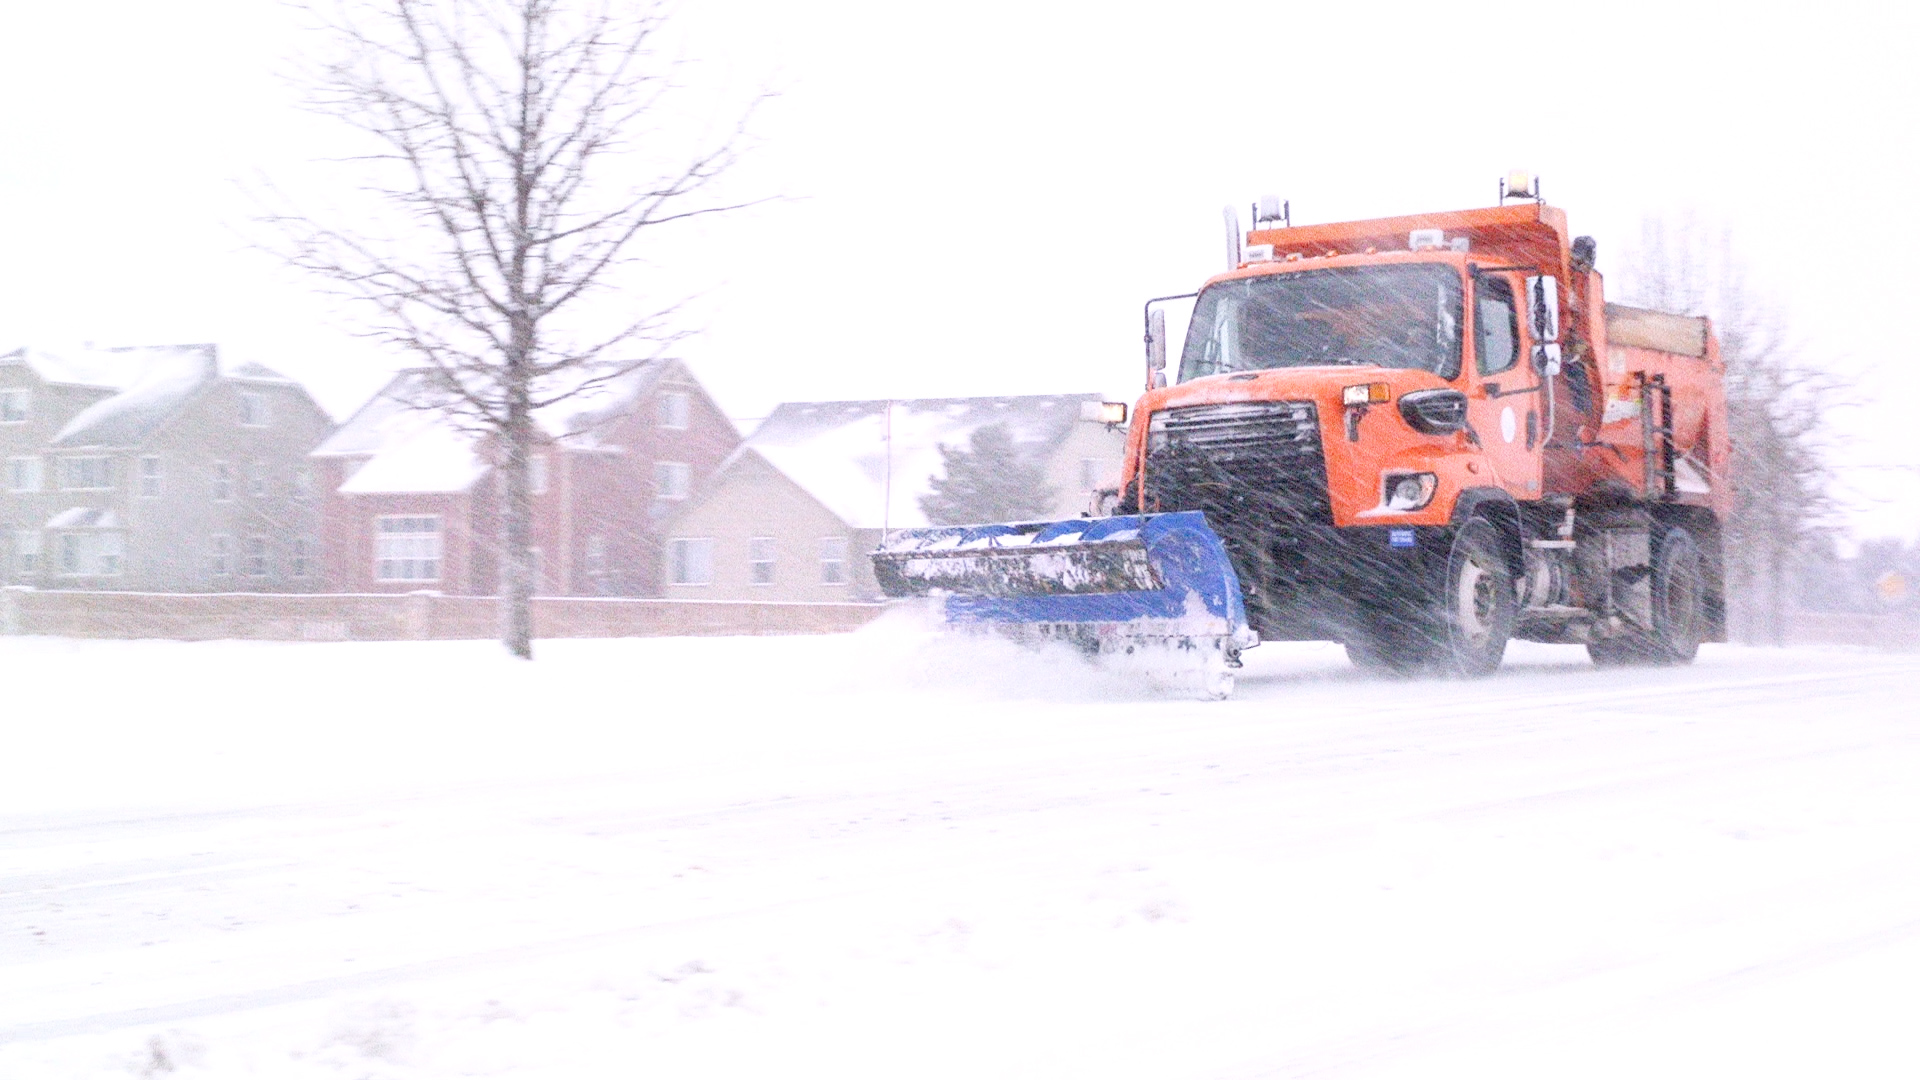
(1477, 605)
(1381, 650)
(1679, 600)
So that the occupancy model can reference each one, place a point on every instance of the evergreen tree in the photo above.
(989, 480)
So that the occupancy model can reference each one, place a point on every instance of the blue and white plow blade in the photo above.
(1149, 593)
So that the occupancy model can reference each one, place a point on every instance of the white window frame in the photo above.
(26, 552)
(259, 478)
(594, 555)
(254, 411)
(72, 555)
(762, 558)
(675, 411)
(300, 557)
(16, 405)
(833, 560)
(222, 481)
(690, 560)
(150, 477)
(537, 474)
(409, 550)
(109, 553)
(220, 555)
(96, 473)
(25, 474)
(303, 483)
(256, 561)
(672, 480)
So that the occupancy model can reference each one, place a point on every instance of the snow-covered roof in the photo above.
(110, 369)
(84, 517)
(153, 382)
(410, 447)
(838, 451)
(253, 371)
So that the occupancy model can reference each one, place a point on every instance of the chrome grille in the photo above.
(1269, 427)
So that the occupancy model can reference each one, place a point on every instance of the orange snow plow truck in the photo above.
(1419, 436)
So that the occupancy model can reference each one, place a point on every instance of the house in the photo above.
(411, 500)
(151, 469)
(792, 514)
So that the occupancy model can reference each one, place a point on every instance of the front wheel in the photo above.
(1478, 606)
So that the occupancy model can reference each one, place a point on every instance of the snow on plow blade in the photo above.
(1141, 585)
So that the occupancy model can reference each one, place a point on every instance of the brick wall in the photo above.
(409, 616)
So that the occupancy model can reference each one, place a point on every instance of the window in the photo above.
(13, 405)
(1497, 338)
(833, 560)
(253, 410)
(596, 552)
(533, 571)
(89, 554)
(256, 562)
(220, 555)
(671, 479)
(760, 560)
(537, 474)
(26, 552)
(222, 481)
(690, 562)
(257, 476)
(149, 477)
(303, 483)
(1395, 316)
(86, 473)
(673, 411)
(300, 558)
(106, 552)
(23, 474)
(406, 548)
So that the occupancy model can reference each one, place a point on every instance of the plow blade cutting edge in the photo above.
(1152, 591)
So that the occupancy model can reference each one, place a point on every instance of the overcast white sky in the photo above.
(978, 197)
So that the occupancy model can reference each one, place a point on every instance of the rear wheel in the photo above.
(1679, 602)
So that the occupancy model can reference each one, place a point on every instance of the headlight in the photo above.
(1407, 491)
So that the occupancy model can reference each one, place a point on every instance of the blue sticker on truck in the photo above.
(1400, 537)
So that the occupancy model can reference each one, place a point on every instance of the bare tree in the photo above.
(517, 169)
(1776, 404)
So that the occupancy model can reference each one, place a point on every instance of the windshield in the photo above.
(1392, 316)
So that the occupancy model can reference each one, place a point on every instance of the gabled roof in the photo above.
(108, 369)
(153, 383)
(839, 451)
(411, 448)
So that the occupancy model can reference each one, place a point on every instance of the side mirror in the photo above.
(1543, 308)
(1156, 348)
(1434, 412)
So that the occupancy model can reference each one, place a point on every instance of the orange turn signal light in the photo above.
(1376, 393)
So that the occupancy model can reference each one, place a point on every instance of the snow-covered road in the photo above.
(886, 855)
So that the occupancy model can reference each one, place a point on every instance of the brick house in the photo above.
(151, 469)
(792, 514)
(410, 501)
